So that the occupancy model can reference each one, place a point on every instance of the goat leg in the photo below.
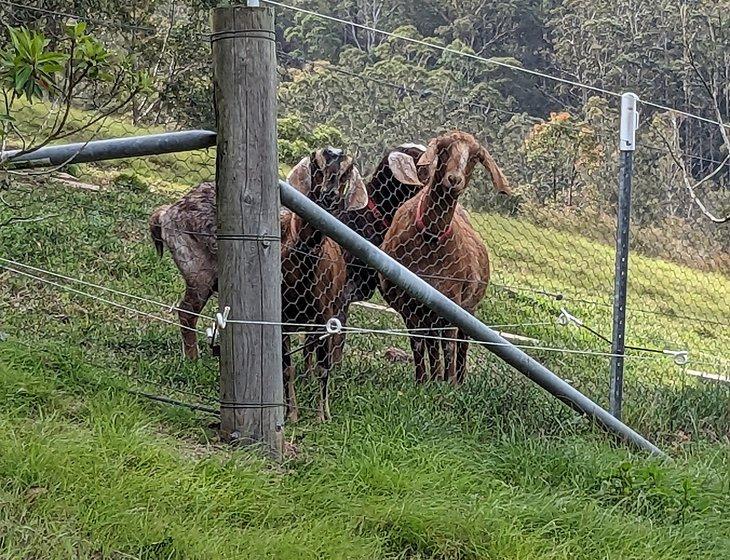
(310, 341)
(434, 356)
(324, 357)
(417, 347)
(190, 307)
(292, 410)
(449, 350)
(461, 352)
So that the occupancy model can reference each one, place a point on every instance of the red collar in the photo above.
(377, 213)
(420, 226)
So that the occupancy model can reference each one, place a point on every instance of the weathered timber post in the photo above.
(249, 270)
(627, 145)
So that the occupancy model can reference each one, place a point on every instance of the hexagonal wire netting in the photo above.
(536, 265)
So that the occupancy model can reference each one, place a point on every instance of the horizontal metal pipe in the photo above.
(98, 150)
(435, 300)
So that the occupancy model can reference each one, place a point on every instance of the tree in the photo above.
(33, 73)
(566, 149)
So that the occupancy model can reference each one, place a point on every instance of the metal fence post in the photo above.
(629, 124)
(249, 269)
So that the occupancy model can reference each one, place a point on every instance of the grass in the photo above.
(90, 472)
(493, 470)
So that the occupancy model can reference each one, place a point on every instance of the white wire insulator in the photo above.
(222, 318)
(333, 326)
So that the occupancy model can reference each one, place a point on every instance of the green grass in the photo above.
(492, 470)
(661, 293)
(90, 472)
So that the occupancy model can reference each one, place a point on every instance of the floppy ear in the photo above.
(287, 225)
(409, 145)
(430, 155)
(403, 168)
(357, 195)
(299, 177)
(498, 179)
(319, 159)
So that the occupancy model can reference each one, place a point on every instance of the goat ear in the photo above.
(300, 177)
(403, 168)
(357, 195)
(286, 223)
(430, 155)
(498, 179)
(320, 159)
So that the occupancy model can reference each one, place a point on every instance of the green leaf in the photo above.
(14, 37)
(21, 78)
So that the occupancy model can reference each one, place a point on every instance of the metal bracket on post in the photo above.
(629, 121)
(627, 145)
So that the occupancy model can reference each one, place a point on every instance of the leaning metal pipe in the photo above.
(98, 150)
(435, 300)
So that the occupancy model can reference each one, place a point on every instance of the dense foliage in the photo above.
(376, 90)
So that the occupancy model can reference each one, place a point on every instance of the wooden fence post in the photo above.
(249, 270)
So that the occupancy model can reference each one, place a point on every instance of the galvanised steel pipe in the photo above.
(435, 300)
(99, 150)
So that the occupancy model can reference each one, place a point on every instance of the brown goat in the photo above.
(188, 228)
(394, 181)
(431, 235)
(313, 266)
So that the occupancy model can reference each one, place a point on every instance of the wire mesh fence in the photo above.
(547, 286)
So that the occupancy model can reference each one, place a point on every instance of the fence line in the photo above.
(103, 300)
(323, 331)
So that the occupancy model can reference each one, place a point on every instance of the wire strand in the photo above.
(446, 49)
(104, 288)
(485, 109)
(491, 61)
(97, 298)
(358, 330)
(83, 18)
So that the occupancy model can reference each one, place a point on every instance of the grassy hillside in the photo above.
(90, 472)
(492, 470)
